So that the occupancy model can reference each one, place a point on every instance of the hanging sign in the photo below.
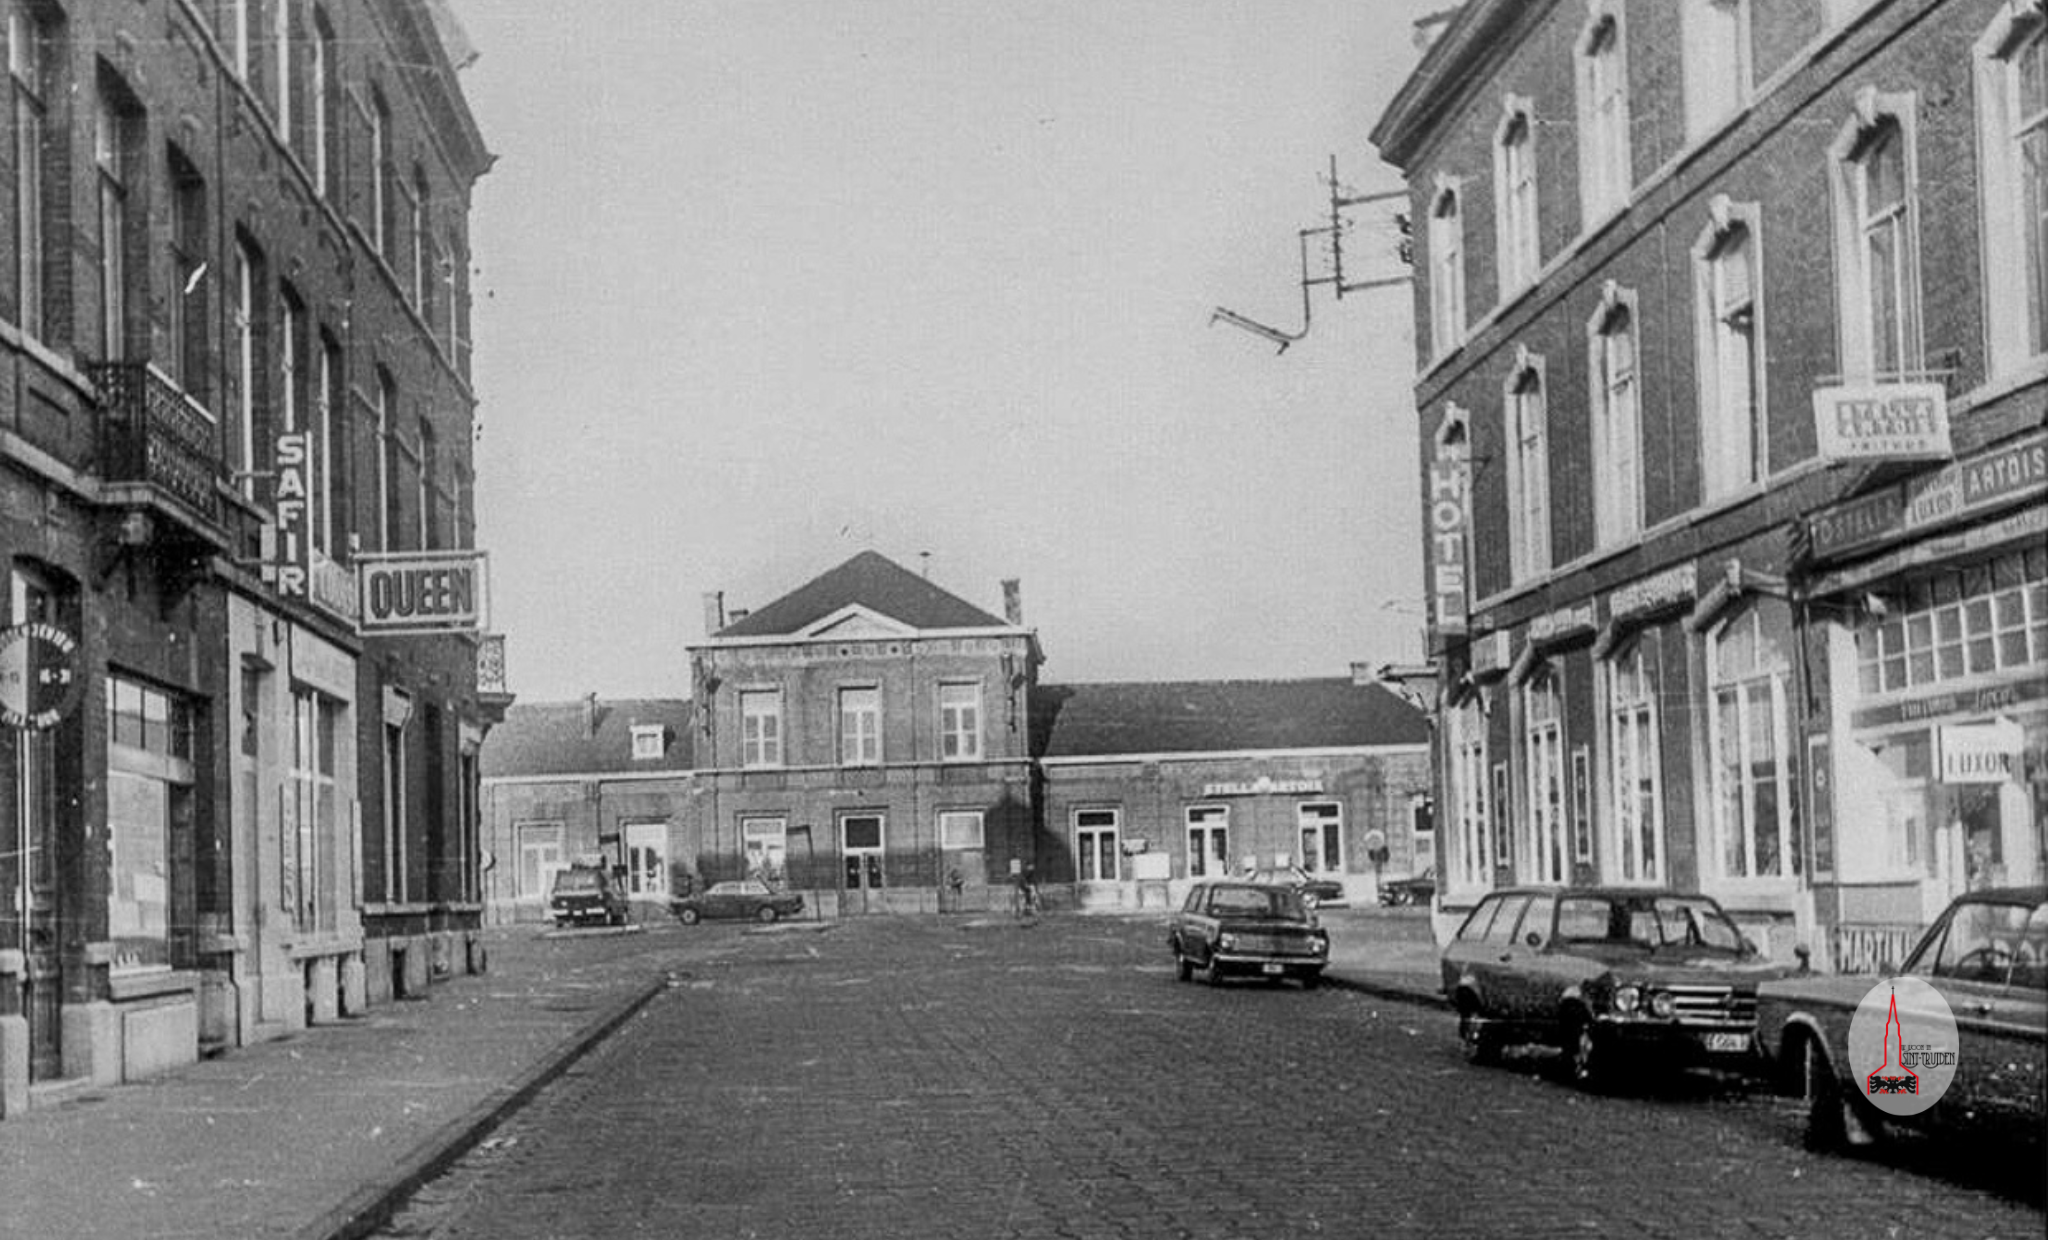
(421, 591)
(39, 676)
(1882, 422)
(1449, 517)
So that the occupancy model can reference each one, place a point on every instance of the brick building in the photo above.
(1731, 384)
(885, 745)
(234, 319)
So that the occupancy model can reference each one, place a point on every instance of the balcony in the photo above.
(159, 452)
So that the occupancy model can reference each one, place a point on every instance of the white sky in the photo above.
(761, 285)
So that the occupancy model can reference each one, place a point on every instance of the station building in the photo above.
(234, 326)
(1732, 378)
(885, 746)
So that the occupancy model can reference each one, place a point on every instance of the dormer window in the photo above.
(649, 739)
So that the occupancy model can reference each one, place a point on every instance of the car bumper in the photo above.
(1731, 1044)
(1268, 965)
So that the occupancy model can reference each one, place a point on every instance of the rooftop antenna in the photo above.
(1342, 199)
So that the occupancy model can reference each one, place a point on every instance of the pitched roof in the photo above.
(557, 738)
(1218, 716)
(869, 580)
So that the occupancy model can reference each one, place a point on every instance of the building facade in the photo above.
(1731, 387)
(235, 320)
(885, 746)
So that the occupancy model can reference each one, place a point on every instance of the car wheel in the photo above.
(1476, 1034)
(1215, 972)
(1586, 1054)
(1183, 968)
(688, 916)
(765, 914)
(1832, 1121)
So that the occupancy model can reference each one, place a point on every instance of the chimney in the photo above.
(739, 614)
(1013, 601)
(590, 714)
(714, 612)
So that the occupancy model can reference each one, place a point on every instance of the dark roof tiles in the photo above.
(1218, 716)
(869, 580)
(587, 737)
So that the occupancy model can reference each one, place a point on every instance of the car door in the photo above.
(1530, 981)
(1492, 962)
(1981, 967)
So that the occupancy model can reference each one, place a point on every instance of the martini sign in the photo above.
(39, 676)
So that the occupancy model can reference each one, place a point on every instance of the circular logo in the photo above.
(39, 678)
(1902, 1046)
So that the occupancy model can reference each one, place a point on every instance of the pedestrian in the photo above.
(1027, 892)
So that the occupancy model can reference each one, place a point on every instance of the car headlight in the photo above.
(1627, 999)
(1228, 942)
(1320, 941)
(1662, 1005)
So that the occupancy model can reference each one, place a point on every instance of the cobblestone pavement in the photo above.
(976, 1080)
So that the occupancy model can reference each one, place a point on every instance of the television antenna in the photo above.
(1342, 200)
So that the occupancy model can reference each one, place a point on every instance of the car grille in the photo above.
(1277, 944)
(1719, 1006)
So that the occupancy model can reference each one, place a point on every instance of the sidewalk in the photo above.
(309, 1137)
(1386, 952)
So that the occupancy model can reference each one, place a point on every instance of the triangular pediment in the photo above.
(857, 621)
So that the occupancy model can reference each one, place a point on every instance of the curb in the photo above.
(373, 1205)
(1386, 990)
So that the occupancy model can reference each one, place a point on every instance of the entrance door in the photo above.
(860, 841)
(647, 860)
(28, 861)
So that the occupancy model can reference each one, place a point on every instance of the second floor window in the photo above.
(761, 727)
(1880, 278)
(1730, 371)
(1515, 169)
(1446, 273)
(959, 722)
(1617, 439)
(114, 130)
(1605, 176)
(860, 726)
(1715, 37)
(29, 62)
(1528, 476)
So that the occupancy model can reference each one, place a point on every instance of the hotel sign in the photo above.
(1450, 515)
(1882, 422)
(1955, 492)
(421, 592)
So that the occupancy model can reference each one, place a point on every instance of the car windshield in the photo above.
(1255, 902)
(1649, 922)
(576, 880)
(1988, 941)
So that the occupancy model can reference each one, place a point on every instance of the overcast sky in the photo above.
(764, 284)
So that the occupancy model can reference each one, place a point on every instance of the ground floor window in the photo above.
(1208, 841)
(1096, 856)
(1750, 744)
(540, 855)
(1321, 828)
(1543, 765)
(149, 800)
(960, 830)
(1470, 823)
(309, 829)
(646, 859)
(764, 844)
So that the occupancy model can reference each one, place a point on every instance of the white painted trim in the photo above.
(1238, 755)
(802, 639)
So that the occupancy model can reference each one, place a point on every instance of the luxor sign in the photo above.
(421, 591)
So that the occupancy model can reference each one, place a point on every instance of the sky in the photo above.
(761, 285)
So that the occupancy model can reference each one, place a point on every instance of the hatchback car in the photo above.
(1607, 975)
(1247, 929)
(748, 898)
(1987, 957)
(586, 894)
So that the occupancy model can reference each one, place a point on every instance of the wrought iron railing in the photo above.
(151, 432)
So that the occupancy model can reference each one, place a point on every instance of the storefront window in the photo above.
(1749, 741)
(1474, 861)
(1096, 858)
(1543, 759)
(149, 795)
(1635, 768)
(540, 855)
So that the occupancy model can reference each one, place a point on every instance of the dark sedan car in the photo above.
(1314, 890)
(585, 894)
(1247, 929)
(1986, 956)
(747, 898)
(1608, 975)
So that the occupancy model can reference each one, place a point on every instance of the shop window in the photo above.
(1097, 858)
(761, 727)
(1543, 766)
(1873, 173)
(540, 855)
(764, 845)
(1989, 618)
(2012, 119)
(1749, 743)
(149, 798)
(1208, 841)
(1472, 861)
(860, 726)
(960, 722)
(1319, 828)
(960, 830)
(1635, 769)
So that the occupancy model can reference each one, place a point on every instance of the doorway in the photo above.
(860, 845)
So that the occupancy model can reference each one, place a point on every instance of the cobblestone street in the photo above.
(979, 1079)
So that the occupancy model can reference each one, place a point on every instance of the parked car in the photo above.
(1987, 957)
(1607, 975)
(1238, 927)
(738, 898)
(1293, 877)
(584, 894)
(1415, 889)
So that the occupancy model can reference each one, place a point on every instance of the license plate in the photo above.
(1728, 1043)
(1269, 968)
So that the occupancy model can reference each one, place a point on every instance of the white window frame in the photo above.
(1329, 829)
(242, 322)
(1447, 320)
(648, 741)
(1734, 443)
(1525, 424)
(1718, 70)
(761, 727)
(319, 68)
(1614, 356)
(962, 830)
(1547, 856)
(327, 372)
(1606, 175)
(1472, 864)
(860, 725)
(1762, 686)
(541, 853)
(110, 157)
(1859, 288)
(960, 721)
(316, 726)
(1516, 218)
(1208, 841)
(2015, 292)
(1101, 825)
(1635, 766)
